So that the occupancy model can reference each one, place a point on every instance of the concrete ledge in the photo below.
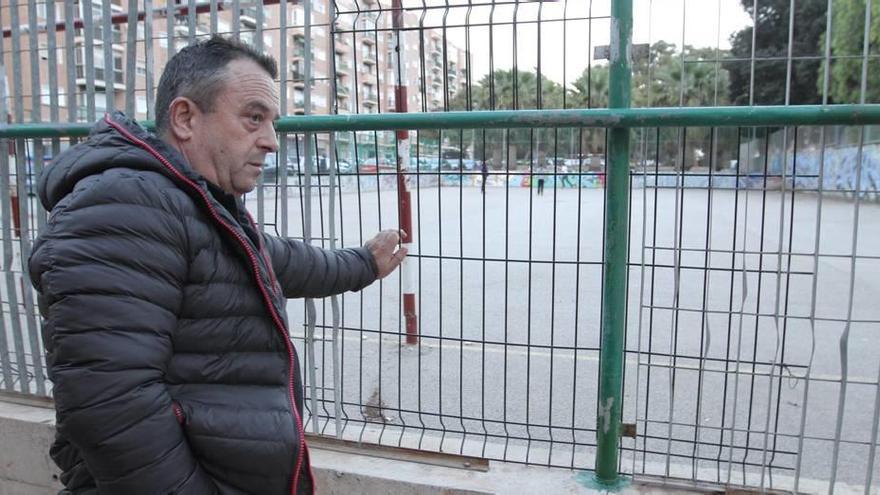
(27, 430)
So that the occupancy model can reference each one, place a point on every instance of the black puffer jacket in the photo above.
(165, 326)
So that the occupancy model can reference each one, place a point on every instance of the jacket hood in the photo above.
(107, 147)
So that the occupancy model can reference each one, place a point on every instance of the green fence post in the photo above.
(616, 255)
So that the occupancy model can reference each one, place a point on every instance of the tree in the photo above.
(771, 40)
(500, 90)
(847, 39)
(512, 90)
(657, 82)
(590, 88)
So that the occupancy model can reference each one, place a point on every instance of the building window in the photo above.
(297, 97)
(141, 104)
(45, 97)
(98, 52)
(100, 106)
(298, 17)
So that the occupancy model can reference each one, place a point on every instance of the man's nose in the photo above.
(269, 140)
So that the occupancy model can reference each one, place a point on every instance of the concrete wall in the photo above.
(27, 429)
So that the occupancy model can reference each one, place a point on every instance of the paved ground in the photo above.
(508, 349)
(508, 358)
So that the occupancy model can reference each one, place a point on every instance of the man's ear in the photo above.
(181, 114)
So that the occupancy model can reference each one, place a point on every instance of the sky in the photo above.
(566, 47)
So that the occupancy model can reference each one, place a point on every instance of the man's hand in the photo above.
(384, 250)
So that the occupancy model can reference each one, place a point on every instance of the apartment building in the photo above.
(359, 58)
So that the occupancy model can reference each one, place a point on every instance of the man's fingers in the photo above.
(389, 237)
(384, 247)
(393, 262)
(401, 254)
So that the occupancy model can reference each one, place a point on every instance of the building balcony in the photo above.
(100, 81)
(368, 58)
(97, 32)
(182, 29)
(371, 100)
(248, 16)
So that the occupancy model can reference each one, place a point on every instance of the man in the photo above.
(484, 171)
(164, 305)
(541, 178)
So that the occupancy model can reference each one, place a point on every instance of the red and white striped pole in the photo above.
(407, 276)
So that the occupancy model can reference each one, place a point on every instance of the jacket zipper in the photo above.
(263, 252)
(178, 412)
(255, 266)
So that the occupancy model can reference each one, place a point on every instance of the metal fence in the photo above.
(720, 263)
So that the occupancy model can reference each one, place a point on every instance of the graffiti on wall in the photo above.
(562, 181)
(841, 171)
(839, 168)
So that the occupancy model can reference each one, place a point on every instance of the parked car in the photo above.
(372, 165)
(425, 164)
(296, 164)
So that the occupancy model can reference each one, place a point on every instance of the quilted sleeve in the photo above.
(309, 271)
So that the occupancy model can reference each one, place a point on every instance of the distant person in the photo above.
(566, 180)
(163, 304)
(484, 171)
(540, 181)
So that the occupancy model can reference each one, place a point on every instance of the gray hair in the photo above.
(198, 72)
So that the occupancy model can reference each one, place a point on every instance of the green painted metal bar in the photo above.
(613, 117)
(616, 252)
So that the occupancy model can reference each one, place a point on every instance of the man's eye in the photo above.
(256, 118)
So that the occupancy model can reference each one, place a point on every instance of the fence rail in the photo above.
(748, 235)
